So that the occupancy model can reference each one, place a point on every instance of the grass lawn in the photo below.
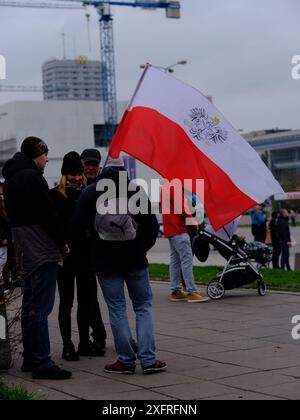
(203, 275)
(10, 392)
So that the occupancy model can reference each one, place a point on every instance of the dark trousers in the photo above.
(88, 310)
(37, 305)
(285, 255)
(276, 254)
(259, 233)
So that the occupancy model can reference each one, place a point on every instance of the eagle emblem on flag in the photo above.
(204, 128)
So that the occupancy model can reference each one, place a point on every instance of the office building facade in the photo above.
(73, 80)
(280, 150)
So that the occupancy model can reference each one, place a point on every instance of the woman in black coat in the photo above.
(76, 266)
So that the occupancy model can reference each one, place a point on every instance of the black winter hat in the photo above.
(33, 147)
(72, 164)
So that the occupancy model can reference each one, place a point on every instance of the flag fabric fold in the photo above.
(177, 131)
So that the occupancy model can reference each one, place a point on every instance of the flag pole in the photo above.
(147, 66)
(105, 162)
(130, 104)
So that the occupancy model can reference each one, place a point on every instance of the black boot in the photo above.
(70, 354)
(53, 372)
(90, 349)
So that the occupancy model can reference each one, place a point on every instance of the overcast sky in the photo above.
(238, 51)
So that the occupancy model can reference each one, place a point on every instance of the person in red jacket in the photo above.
(175, 217)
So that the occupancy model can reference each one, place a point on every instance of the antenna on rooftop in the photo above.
(74, 48)
(63, 35)
(88, 15)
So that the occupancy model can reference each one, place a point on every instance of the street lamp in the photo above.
(168, 68)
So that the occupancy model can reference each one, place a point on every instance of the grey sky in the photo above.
(238, 51)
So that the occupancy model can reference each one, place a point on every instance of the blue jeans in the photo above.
(181, 261)
(37, 305)
(140, 293)
(285, 255)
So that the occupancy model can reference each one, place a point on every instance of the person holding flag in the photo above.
(178, 224)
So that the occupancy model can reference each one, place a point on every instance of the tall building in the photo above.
(280, 150)
(73, 80)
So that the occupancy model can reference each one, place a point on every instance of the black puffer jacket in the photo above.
(283, 229)
(65, 207)
(27, 197)
(109, 257)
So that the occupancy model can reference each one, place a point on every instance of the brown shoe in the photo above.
(178, 295)
(196, 297)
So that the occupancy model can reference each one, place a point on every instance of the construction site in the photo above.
(90, 112)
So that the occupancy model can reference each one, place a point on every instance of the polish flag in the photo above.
(174, 129)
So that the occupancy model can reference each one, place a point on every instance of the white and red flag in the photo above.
(174, 129)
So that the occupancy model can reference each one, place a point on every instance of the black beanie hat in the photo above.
(72, 164)
(33, 147)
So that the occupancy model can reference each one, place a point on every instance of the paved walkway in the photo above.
(238, 348)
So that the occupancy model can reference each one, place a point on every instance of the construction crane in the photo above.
(103, 8)
(44, 5)
(20, 88)
(29, 89)
(107, 52)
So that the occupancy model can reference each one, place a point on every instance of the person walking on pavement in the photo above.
(118, 263)
(39, 244)
(65, 197)
(284, 236)
(181, 258)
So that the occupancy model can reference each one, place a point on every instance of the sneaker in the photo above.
(53, 372)
(178, 295)
(70, 354)
(196, 297)
(157, 366)
(90, 350)
(119, 367)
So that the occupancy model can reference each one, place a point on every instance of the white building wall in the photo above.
(64, 126)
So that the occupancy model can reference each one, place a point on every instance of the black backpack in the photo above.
(200, 246)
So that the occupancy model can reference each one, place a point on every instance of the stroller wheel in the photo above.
(215, 290)
(262, 288)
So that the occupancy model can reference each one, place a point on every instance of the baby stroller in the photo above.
(257, 251)
(238, 271)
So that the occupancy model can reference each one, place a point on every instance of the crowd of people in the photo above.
(55, 242)
(274, 230)
(50, 238)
